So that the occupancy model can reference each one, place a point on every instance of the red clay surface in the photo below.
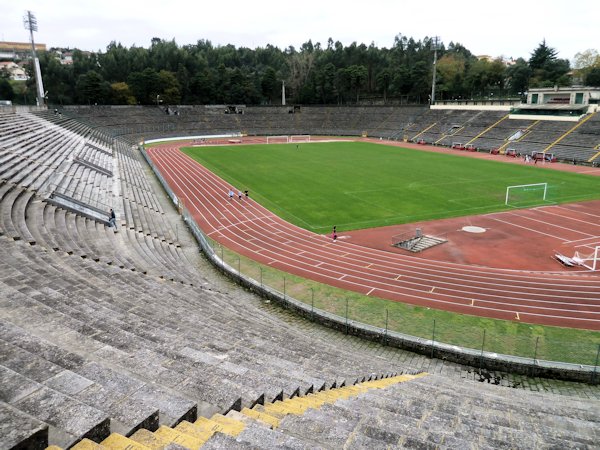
(505, 273)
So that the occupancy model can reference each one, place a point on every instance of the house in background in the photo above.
(15, 71)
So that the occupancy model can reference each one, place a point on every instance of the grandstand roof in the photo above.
(554, 107)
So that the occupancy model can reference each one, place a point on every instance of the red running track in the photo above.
(549, 298)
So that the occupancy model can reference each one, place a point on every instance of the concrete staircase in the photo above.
(193, 435)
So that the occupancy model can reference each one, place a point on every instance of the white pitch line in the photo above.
(584, 239)
(551, 224)
(591, 245)
(526, 228)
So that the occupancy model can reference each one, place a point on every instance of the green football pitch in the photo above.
(358, 185)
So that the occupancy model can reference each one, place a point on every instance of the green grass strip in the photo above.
(501, 336)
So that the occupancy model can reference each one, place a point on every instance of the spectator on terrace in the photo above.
(112, 219)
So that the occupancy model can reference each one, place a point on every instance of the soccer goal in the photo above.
(526, 194)
(300, 138)
(278, 139)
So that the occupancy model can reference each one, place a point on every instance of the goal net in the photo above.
(589, 261)
(524, 195)
(278, 139)
(300, 138)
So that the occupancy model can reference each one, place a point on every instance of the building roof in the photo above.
(553, 107)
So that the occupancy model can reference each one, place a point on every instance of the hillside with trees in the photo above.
(313, 74)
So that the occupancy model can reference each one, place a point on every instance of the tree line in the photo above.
(166, 73)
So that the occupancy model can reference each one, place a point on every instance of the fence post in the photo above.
(433, 338)
(312, 304)
(386, 327)
(283, 288)
(346, 315)
(239, 267)
(533, 371)
(222, 260)
(596, 365)
(537, 340)
(261, 281)
(481, 356)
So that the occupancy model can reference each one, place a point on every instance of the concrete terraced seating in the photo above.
(24, 216)
(431, 412)
(131, 340)
(137, 123)
(540, 135)
(471, 128)
(500, 134)
(435, 124)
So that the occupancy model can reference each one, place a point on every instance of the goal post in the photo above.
(300, 138)
(526, 193)
(278, 139)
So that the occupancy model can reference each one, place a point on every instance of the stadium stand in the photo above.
(130, 335)
(136, 123)
(483, 130)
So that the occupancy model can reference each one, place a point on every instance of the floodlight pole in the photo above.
(282, 92)
(435, 44)
(30, 23)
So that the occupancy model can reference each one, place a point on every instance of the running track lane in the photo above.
(550, 298)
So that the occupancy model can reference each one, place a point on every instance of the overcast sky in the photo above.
(510, 28)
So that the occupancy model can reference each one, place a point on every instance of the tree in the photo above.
(326, 84)
(518, 77)
(384, 80)
(91, 88)
(269, 85)
(168, 87)
(203, 88)
(451, 73)
(6, 89)
(357, 77)
(120, 94)
(593, 77)
(547, 69)
(300, 66)
(585, 61)
(145, 86)
(541, 56)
